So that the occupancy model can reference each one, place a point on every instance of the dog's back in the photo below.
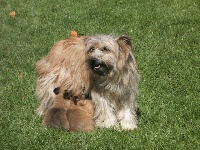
(65, 61)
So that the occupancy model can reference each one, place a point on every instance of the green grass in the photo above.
(166, 39)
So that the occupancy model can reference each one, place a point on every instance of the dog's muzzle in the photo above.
(99, 66)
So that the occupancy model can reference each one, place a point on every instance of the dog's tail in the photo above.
(73, 34)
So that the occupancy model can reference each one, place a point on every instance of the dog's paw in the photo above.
(67, 94)
(107, 122)
(127, 119)
(127, 125)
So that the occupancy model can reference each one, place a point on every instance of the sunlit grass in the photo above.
(165, 35)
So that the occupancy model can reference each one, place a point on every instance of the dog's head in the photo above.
(106, 54)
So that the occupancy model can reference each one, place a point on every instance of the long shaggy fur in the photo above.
(65, 61)
(114, 79)
(69, 112)
(101, 64)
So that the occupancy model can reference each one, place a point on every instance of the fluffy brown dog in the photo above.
(103, 64)
(65, 61)
(70, 113)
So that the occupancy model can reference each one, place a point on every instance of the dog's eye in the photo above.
(91, 49)
(105, 49)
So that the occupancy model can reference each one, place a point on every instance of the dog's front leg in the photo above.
(127, 118)
(104, 113)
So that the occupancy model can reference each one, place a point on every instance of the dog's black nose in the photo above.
(99, 66)
(95, 62)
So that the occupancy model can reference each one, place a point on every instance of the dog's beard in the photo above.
(99, 67)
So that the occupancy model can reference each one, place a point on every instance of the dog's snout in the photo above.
(95, 61)
(99, 66)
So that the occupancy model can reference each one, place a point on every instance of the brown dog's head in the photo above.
(106, 55)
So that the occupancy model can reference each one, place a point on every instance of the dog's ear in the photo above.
(125, 47)
(124, 42)
(56, 90)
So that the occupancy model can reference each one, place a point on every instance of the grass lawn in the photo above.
(166, 39)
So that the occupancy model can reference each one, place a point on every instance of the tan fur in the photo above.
(73, 34)
(67, 115)
(65, 61)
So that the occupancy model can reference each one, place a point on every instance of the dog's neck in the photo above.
(114, 82)
(108, 83)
